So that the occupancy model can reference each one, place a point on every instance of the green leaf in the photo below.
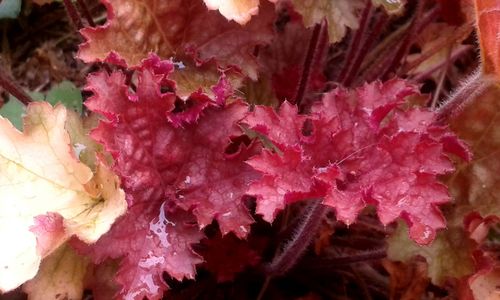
(9, 9)
(67, 94)
(13, 111)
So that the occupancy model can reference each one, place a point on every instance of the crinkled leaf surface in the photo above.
(136, 28)
(57, 184)
(340, 14)
(170, 153)
(151, 240)
(61, 276)
(357, 148)
(181, 155)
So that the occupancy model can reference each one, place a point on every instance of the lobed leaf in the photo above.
(176, 28)
(58, 190)
(357, 148)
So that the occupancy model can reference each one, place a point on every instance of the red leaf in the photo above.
(135, 28)
(173, 153)
(151, 240)
(357, 148)
(185, 159)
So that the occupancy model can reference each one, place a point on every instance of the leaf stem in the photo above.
(86, 12)
(442, 77)
(317, 44)
(300, 240)
(404, 47)
(370, 40)
(354, 47)
(73, 14)
(13, 88)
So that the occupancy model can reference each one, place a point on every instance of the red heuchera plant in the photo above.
(229, 120)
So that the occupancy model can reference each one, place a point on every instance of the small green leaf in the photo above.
(13, 111)
(67, 94)
(9, 9)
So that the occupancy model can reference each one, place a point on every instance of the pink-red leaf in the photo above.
(176, 158)
(357, 148)
(150, 240)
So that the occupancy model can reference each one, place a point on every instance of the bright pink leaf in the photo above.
(357, 148)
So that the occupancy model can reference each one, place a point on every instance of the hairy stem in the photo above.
(13, 88)
(73, 14)
(300, 240)
(470, 89)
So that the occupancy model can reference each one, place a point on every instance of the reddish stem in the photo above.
(86, 12)
(354, 48)
(299, 242)
(315, 52)
(73, 14)
(377, 30)
(407, 41)
(453, 57)
(433, 50)
(13, 88)
(469, 90)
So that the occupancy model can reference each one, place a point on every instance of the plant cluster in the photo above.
(265, 143)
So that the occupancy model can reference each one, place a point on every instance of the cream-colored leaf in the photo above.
(240, 11)
(61, 276)
(84, 147)
(340, 14)
(39, 174)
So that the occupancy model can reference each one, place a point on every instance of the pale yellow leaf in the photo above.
(40, 174)
(240, 11)
(61, 276)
